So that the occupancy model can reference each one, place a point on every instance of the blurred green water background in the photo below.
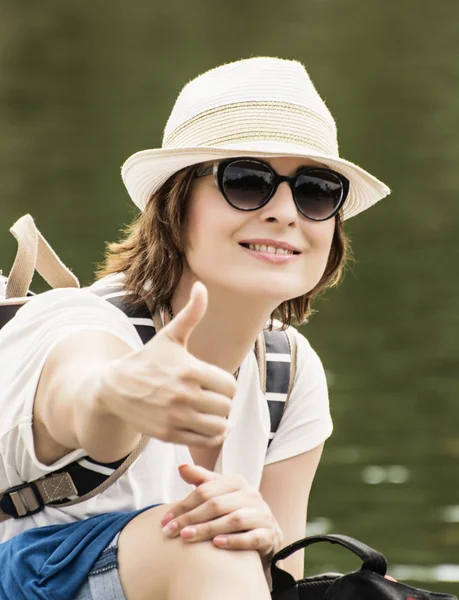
(83, 85)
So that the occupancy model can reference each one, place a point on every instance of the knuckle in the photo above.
(256, 541)
(237, 519)
(179, 509)
(226, 407)
(160, 435)
(163, 433)
(180, 394)
(186, 371)
(216, 504)
(211, 442)
(203, 493)
(184, 521)
(170, 418)
(205, 530)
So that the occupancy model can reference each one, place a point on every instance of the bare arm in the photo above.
(95, 393)
(66, 412)
(285, 486)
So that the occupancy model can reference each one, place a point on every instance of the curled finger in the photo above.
(262, 540)
(213, 378)
(206, 503)
(210, 402)
(218, 505)
(239, 521)
(207, 425)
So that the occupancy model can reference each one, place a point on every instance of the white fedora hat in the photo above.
(260, 107)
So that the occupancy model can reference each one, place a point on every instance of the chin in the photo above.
(274, 289)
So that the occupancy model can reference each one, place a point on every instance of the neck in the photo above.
(228, 330)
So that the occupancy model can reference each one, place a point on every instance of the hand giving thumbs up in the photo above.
(164, 392)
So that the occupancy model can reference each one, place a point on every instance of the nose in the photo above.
(281, 208)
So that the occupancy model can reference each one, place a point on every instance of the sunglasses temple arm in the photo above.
(204, 171)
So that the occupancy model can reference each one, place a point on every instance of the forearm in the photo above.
(104, 436)
(67, 408)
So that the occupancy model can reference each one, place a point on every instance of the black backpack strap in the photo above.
(139, 316)
(280, 370)
(77, 482)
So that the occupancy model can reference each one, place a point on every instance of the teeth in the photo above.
(270, 249)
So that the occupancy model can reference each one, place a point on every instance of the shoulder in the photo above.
(310, 372)
(290, 355)
(300, 349)
(76, 300)
(53, 303)
(52, 314)
(306, 422)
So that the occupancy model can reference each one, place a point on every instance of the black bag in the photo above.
(368, 583)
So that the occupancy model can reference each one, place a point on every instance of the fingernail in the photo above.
(170, 528)
(188, 533)
(166, 519)
(183, 465)
(220, 541)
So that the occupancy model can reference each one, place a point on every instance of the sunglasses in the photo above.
(249, 184)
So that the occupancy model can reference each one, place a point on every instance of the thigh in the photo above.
(103, 581)
(144, 557)
(149, 562)
(152, 565)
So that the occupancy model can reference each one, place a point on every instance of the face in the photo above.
(224, 246)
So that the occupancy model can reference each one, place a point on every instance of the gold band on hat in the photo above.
(269, 120)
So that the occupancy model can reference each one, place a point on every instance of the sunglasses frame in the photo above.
(218, 171)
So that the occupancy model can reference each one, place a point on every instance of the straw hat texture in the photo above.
(259, 107)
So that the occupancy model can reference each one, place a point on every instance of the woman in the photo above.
(242, 212)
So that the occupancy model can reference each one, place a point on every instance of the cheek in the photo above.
(319, 237)
(196, 223)
(207, 226)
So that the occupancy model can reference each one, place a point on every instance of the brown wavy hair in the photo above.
(152, 252)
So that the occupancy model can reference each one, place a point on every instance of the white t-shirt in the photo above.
(25, 343)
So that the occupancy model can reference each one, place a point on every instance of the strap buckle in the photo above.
(22, 501)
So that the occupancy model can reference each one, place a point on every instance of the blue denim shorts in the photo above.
(103, 582)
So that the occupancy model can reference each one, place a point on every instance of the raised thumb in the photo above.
(181, 327)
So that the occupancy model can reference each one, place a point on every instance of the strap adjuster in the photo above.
(22, 501)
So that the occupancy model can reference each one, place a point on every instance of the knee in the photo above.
(148, 561)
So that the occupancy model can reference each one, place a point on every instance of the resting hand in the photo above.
(226, 510)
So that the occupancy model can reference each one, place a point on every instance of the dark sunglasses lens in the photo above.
(318, 193)
(246, 184)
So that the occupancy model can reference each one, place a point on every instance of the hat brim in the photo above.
(146, 171)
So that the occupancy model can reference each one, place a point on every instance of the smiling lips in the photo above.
(271, 251)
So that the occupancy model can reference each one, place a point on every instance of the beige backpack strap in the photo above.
(293, 361)
(260, 353)
(34, 253)
(114, 476)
